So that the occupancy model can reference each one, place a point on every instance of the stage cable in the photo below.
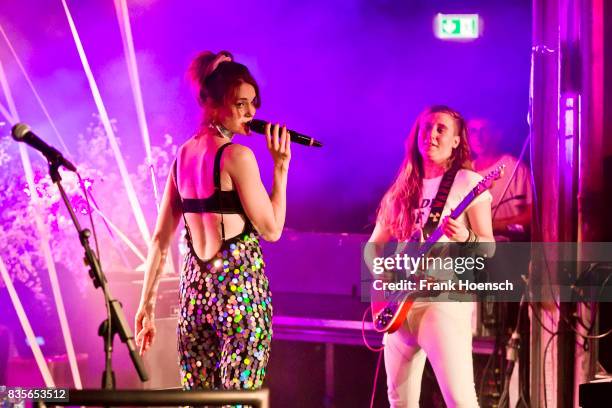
(363, 336)
(109, 315)
(547, 50)
(121, 235)
(373, 397)
(372, 349)
(112, 236)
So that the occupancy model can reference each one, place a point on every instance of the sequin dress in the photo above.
(225, 321)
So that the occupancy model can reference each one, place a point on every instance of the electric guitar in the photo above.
(389, 313)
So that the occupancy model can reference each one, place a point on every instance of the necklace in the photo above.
(223, 131)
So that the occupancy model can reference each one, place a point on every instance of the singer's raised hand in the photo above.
(279, 145)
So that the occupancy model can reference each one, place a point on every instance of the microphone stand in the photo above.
(115, 323)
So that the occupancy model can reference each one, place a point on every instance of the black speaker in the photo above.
(592, 395)
(309, 374)
(296, 373)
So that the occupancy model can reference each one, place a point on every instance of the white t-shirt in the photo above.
(465, 181)
(518, 196)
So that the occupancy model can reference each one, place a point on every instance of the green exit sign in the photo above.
(456, 26)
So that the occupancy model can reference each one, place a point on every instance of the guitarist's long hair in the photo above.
(397, 208)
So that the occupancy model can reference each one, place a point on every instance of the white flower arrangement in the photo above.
(19, 237)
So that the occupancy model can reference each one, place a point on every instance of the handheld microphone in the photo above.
(259, 126)
(22, 133)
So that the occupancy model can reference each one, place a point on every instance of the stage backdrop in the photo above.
(351, 73)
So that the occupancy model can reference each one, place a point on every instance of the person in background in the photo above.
(512, 211)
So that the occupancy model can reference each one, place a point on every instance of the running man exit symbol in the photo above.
(456, 26)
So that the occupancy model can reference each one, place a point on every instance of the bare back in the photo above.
(195, 168)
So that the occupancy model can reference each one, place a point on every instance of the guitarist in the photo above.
(438, 330)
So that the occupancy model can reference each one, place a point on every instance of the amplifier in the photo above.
(594, 393)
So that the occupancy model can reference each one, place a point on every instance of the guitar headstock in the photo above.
(487, 182)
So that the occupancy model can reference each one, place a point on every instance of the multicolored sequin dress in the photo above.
(225, 322)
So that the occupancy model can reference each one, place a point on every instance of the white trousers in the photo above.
(442, 332)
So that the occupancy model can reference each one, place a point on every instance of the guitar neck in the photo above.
(463, 205)
(437, 234)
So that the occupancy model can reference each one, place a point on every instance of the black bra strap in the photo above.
(217, 181)
(217, 168)
(175, 178)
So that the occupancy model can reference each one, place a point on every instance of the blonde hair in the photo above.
(396, 209)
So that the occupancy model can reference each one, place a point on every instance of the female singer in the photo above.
(225, 321)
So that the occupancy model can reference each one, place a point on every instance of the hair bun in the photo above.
(223, 56)
(216, 75)
(205, 63)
